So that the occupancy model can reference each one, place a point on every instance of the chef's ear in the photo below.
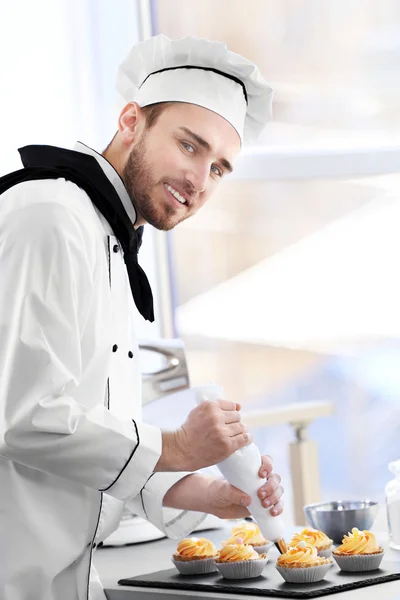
(131, 121)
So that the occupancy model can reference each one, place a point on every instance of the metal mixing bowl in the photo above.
(337, 518)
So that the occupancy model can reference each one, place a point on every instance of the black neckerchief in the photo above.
(49, 162)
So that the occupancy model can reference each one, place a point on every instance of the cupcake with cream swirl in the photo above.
(250, 533)
(359, 551)
(301, 564)
(316, 538)
(240, 561)
(195, 556)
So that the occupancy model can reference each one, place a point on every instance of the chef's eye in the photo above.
(188, 147)
(215, 169)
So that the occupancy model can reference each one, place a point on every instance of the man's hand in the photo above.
(271, 492)
(218, 497)
(211, 433)
(227, 502)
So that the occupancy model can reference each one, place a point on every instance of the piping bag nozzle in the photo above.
(281, 546)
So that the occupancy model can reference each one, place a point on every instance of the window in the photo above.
(295, 293)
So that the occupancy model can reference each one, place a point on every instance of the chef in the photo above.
(73, 448)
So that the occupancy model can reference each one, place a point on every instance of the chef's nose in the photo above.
(198, 177)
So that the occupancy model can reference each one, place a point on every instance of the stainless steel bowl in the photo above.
(337, 518)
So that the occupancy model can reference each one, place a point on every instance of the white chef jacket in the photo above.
(73, 448)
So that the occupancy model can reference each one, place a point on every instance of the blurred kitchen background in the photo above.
(285, 288)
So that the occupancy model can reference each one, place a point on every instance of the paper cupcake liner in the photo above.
(325, 553)
(195, 567)
(304, 575)
(263, 549)
(359, 562)
(242, 569)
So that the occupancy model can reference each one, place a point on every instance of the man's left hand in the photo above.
(228, 502)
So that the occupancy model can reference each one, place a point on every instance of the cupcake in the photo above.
(301, 564)
(359, 552)
(240, 561)
(250, 533)
(195, 556)
(316, 538)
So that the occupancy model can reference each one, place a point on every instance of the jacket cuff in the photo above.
(139, 465)
(175, 523)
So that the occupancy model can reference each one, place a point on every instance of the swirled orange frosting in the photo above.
(301, 555)
(236, 552)
(249, 533)
(312, 536)
(190, 547)
(358, 542)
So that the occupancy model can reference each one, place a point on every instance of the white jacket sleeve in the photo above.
(46, 282)
(175, 523)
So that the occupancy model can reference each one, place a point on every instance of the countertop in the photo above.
(136, 559)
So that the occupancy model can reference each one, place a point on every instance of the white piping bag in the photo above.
(241, 470)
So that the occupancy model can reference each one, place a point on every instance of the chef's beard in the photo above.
(139, 182)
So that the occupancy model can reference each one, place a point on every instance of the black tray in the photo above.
(270, 583)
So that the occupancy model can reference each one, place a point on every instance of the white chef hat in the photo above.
(201, 72)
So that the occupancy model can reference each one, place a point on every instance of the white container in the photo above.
(392, 491)
(241, 470)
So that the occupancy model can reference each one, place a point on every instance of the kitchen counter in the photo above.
(127, 561)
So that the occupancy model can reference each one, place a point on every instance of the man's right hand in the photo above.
(211, 433)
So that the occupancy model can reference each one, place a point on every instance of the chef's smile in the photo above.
(175, 196)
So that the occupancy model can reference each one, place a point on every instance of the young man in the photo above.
(72, 445)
